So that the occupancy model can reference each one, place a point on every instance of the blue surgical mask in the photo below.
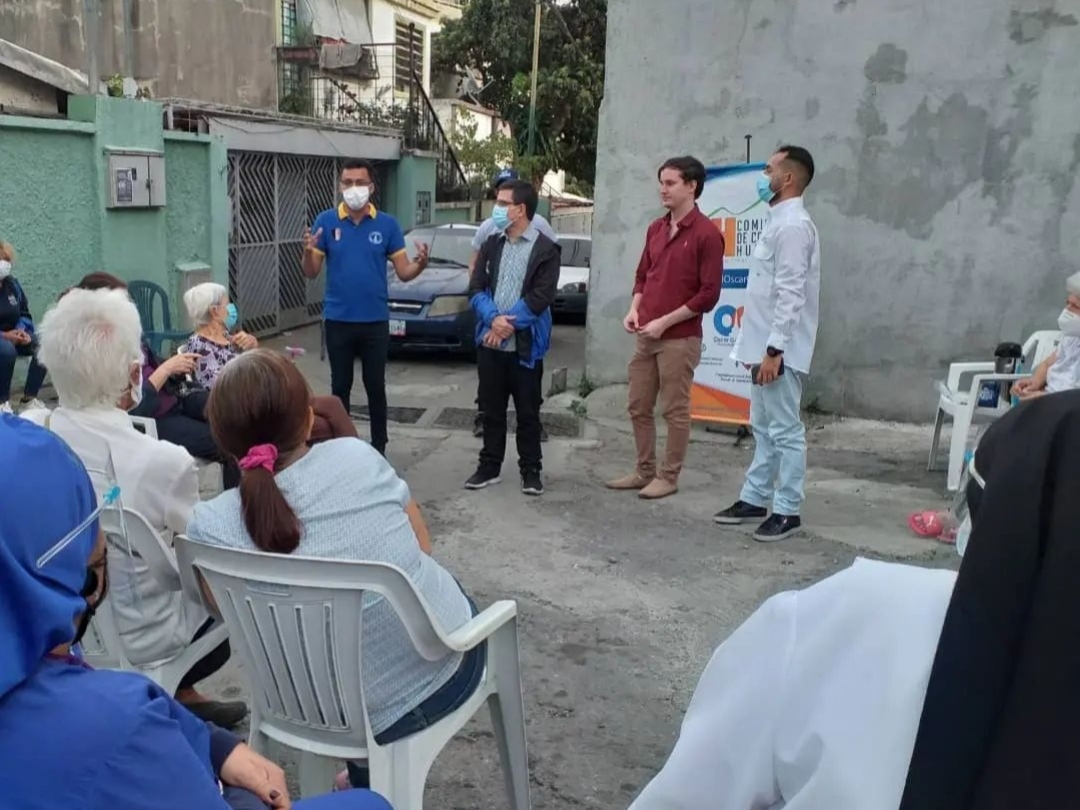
(764, 190)
(231, 316)
(501, 217)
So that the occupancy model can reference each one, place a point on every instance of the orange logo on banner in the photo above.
(726, 225)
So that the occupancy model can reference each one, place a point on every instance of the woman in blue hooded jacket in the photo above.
(72, 736)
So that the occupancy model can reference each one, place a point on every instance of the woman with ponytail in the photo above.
(336, 500)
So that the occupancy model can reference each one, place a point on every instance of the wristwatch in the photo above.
(772, 351)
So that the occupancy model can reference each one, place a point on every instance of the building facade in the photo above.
(946, 146)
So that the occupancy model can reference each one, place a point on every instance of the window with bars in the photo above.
(289, 22)
(408, 53)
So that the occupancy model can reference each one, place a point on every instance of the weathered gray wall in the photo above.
(211, 50)
(947, 139)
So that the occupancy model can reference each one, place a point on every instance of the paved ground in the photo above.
(621, 602)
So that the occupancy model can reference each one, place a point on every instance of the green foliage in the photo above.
(114, 86)
(496, 38)
(480, 159)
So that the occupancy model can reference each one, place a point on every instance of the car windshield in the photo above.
(575, 252)
(449, 247)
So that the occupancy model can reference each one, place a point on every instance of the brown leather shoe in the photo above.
(628, 482)
(658, 488)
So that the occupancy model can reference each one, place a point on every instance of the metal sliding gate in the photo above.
(273, 198)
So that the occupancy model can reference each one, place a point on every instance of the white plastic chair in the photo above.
(102, 647)
(959, 399)
(296, 622)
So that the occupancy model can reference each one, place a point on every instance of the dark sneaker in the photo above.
(482, 479)
(778, 527)
(738, 512)
(478, 425)
(228, 715)
(543, 433)
(532, 483)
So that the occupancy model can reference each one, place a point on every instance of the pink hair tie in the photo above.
(261, 455)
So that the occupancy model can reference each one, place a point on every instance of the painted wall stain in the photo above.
(1028, 26)
(888, 65)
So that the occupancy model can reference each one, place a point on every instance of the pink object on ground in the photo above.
(926, 524)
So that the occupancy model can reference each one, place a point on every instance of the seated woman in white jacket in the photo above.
(890, 686)
(93, 339)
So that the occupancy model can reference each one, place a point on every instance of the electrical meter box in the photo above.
(136, 179)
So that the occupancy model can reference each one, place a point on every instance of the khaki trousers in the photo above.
(664, 369)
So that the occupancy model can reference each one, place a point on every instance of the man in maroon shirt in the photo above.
(677, 282)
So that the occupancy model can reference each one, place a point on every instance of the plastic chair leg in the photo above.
(935, 441)
(508, 714)
(316, 775)
(958, 447)
(402, 773)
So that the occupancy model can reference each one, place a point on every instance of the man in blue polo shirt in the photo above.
(355, 241)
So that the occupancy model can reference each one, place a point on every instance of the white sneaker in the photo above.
(33, 405)
(6, 408)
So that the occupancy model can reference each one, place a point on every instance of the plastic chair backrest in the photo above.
(147, 297)
(101, 645)
(1040, 346)
(296, 623)
(147, 543)
(145, 425)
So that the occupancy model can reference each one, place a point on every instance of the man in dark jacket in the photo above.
(512, 288)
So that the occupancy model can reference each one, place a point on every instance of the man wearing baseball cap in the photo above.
(483, 233)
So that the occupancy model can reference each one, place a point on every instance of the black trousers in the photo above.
(371, 343)
(186, 426)
(209, 663)
(502, 377)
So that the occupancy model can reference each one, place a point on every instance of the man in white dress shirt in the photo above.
(776, 342)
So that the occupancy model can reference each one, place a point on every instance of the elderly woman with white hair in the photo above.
(1061, 370)
(92, 342)
(216, 339)
(179, 413)
(215, 342)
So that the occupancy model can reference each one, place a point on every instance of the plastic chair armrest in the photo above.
(958, 370)
(980, 379)
(482, 626)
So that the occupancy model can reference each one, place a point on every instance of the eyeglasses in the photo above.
(112, 496)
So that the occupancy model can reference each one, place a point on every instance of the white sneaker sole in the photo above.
(485, 485)
(778, 538)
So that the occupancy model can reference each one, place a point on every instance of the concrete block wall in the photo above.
(53, 206)
(947, 141)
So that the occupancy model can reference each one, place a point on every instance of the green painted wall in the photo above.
(412, 174)
(53, 207)
(447, 216)
(48, 209)
(197, 214)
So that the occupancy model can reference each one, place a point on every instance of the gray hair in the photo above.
(1072, 284)
(200, 299)
(89, 340)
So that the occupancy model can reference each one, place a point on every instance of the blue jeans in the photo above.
(35, 377)
(778, 471)
(448, 699)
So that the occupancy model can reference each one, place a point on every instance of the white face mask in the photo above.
(5, 269)
(356, 197)
(1069, 322)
